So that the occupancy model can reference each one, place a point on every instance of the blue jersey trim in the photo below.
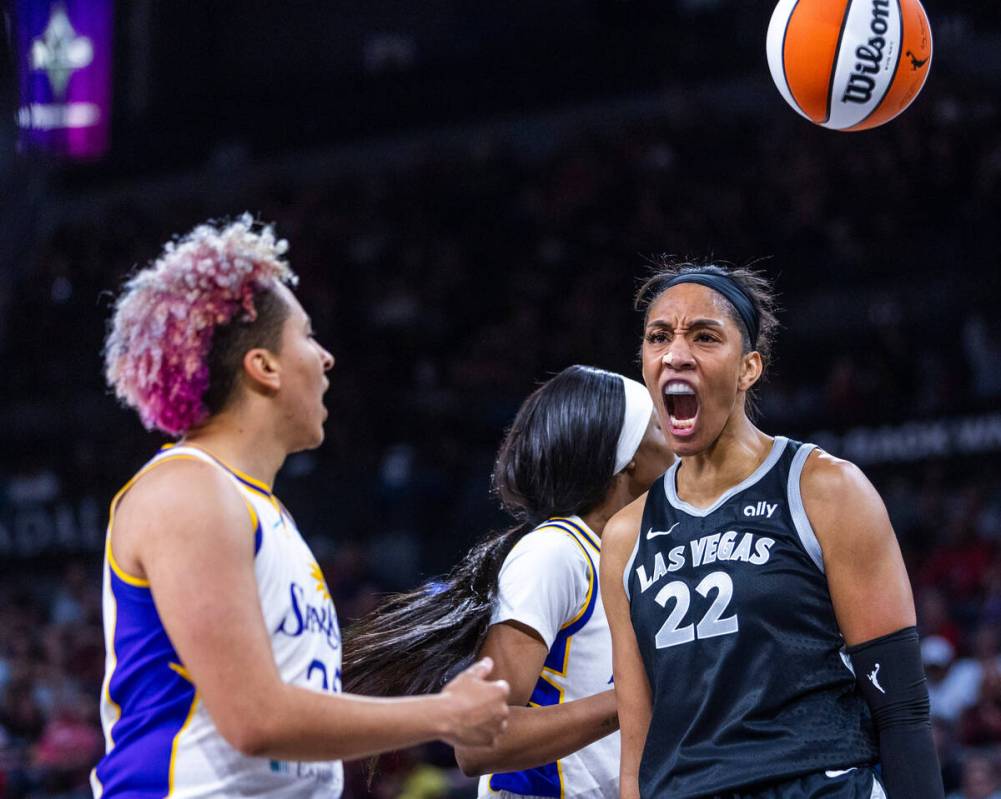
(154, 696)
(258, 538)
(544, 780)
(588, 536)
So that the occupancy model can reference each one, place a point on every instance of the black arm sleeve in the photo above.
(892, 680)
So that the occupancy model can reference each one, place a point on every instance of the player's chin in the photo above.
(689, 442)
(683, 448)
(320, 434)
(313, 437)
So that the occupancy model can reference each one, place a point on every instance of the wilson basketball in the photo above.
(849, 64)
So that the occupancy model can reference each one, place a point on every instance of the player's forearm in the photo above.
(303, 725)
(536, 736)
(636, 724)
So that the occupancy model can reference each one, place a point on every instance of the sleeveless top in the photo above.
(549, 581)
(159, 739)
(750, 683)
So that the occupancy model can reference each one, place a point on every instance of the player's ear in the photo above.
(262, 369)
(751, 367)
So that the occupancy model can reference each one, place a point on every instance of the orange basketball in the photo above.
(849, 64)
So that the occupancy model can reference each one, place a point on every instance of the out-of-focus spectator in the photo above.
(934, 616)
(949, 753)
(980, 778)
(960, 565)
(70, 744)
(20, 714)
(948, 697)
(980, 724)
(968, 689)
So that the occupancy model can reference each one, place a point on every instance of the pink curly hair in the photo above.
(157, 348)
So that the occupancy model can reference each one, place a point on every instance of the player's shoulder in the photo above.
(548, 541)
(828, 479)
(179, 488)
(622, 529)
(844, 508)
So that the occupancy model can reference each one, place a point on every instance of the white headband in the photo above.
(639, 408)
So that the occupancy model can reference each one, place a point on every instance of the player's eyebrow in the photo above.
(700, 322)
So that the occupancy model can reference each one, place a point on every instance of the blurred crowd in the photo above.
(447, 287)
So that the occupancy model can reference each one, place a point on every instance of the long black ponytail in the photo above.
(556, 460)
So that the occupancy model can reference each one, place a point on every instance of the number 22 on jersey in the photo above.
(713, 622)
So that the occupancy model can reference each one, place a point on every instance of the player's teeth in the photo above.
(678, 388)
(682, 424)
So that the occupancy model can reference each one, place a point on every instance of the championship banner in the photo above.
(64, 71)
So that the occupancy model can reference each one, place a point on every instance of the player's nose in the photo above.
(678, 356)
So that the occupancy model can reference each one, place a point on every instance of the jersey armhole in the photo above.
(140, 582)
(592, 572)
(807, 536)
(629, 565)
(592, 585)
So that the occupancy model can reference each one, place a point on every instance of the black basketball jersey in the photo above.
(734, 621)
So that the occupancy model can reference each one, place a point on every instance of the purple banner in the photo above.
(64, 68)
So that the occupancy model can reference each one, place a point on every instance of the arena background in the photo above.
(470, 192)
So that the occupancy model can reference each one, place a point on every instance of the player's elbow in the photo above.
(254, 734)
(249, 738)
(471, 762)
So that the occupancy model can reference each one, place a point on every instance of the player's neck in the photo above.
(240, 445)
(735, 454)
(619, 495)
(597, 519)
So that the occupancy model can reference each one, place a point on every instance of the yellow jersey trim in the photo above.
(591, 582)
(177, 667)
(177, 741)
(140, 582)
(590, 571)
(586, 533)
(253, 481)
(559, 766)
(123, 575)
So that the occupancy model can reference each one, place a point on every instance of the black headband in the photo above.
(730, 289)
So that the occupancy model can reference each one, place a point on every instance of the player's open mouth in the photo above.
(682, 405)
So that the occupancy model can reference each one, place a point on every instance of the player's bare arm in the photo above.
(865, 571)
(536, 735)
(632, 689)
(872, 600)
(198, 558)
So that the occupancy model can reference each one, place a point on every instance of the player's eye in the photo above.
(656, 337)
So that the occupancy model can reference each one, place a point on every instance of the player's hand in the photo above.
(476, 709)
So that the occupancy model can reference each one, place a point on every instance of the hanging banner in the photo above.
(64, 70)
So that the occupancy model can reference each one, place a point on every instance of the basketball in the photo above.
(849, 65)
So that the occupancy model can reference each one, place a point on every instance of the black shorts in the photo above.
(856, 783)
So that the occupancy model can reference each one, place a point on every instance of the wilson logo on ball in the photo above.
(841, 64)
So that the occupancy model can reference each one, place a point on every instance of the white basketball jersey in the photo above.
(549, 581)
(159, 739)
